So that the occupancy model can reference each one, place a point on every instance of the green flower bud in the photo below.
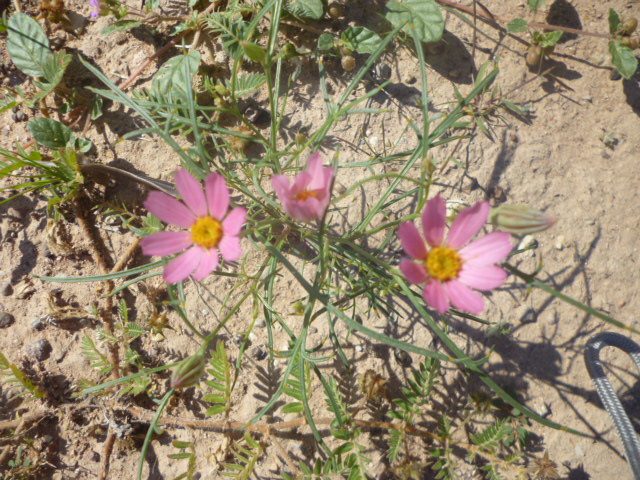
(520, 219)
(189, 371)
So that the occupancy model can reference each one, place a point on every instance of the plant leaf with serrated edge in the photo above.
(360, 39)
(517, 25)
(422, 18)
(246, 84)
(306, 9)
(170, 77)
(623, 59)
(27, 44)
(49, 132)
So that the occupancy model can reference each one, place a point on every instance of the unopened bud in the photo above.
(520, 219)
(189, 371)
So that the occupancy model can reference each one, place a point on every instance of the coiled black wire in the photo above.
(608, 395)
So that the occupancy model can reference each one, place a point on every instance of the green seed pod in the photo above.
(520, 219)
(629, 26)
(189, 371)
(534, 56)
(348, 63)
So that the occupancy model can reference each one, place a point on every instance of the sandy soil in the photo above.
(555, 159)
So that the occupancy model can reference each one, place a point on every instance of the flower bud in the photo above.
(189, 371)
(520, 219)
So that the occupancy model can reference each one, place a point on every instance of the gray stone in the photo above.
(6, 319)
(6, 289)
(37, 324)
(40, 350)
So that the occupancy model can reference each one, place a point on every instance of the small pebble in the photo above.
(313, 330)
(252, 337)
(6, 289)
(40, 350)
(261, 322)
(579, 451)
(6, 319)
(559, 243)
(359, 348)
(403, 358)
(470, 184)
(37, 324)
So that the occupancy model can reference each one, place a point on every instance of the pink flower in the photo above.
(450, 269)
(95, 8)
(308, 198)
(204, 213)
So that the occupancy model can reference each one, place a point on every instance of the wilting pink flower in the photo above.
(308, 198)
(211, 229)
(451, 270)
(95, 8)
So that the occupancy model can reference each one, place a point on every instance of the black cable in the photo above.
(608, 395)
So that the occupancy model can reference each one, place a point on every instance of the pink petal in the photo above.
(217, 195)
(435, 295)
(315, 170)
(281, 186)
(191, 192)
(300, 183)
(182, 266)
(233, 223)
(169, 210)
(492, 248)
(464, 298)
(208, 263)
(230, 248)
(415, 272)
(482, 278)
(306, 210)
(433, 220)
(165, 243)
(412, 241)
(328, 178)
(468, 224)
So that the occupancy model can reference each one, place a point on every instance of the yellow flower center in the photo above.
(305, 194)
(443, 263)
(206, 232)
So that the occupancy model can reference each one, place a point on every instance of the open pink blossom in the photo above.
(451, 269)
(210, 227)
(308, 198)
